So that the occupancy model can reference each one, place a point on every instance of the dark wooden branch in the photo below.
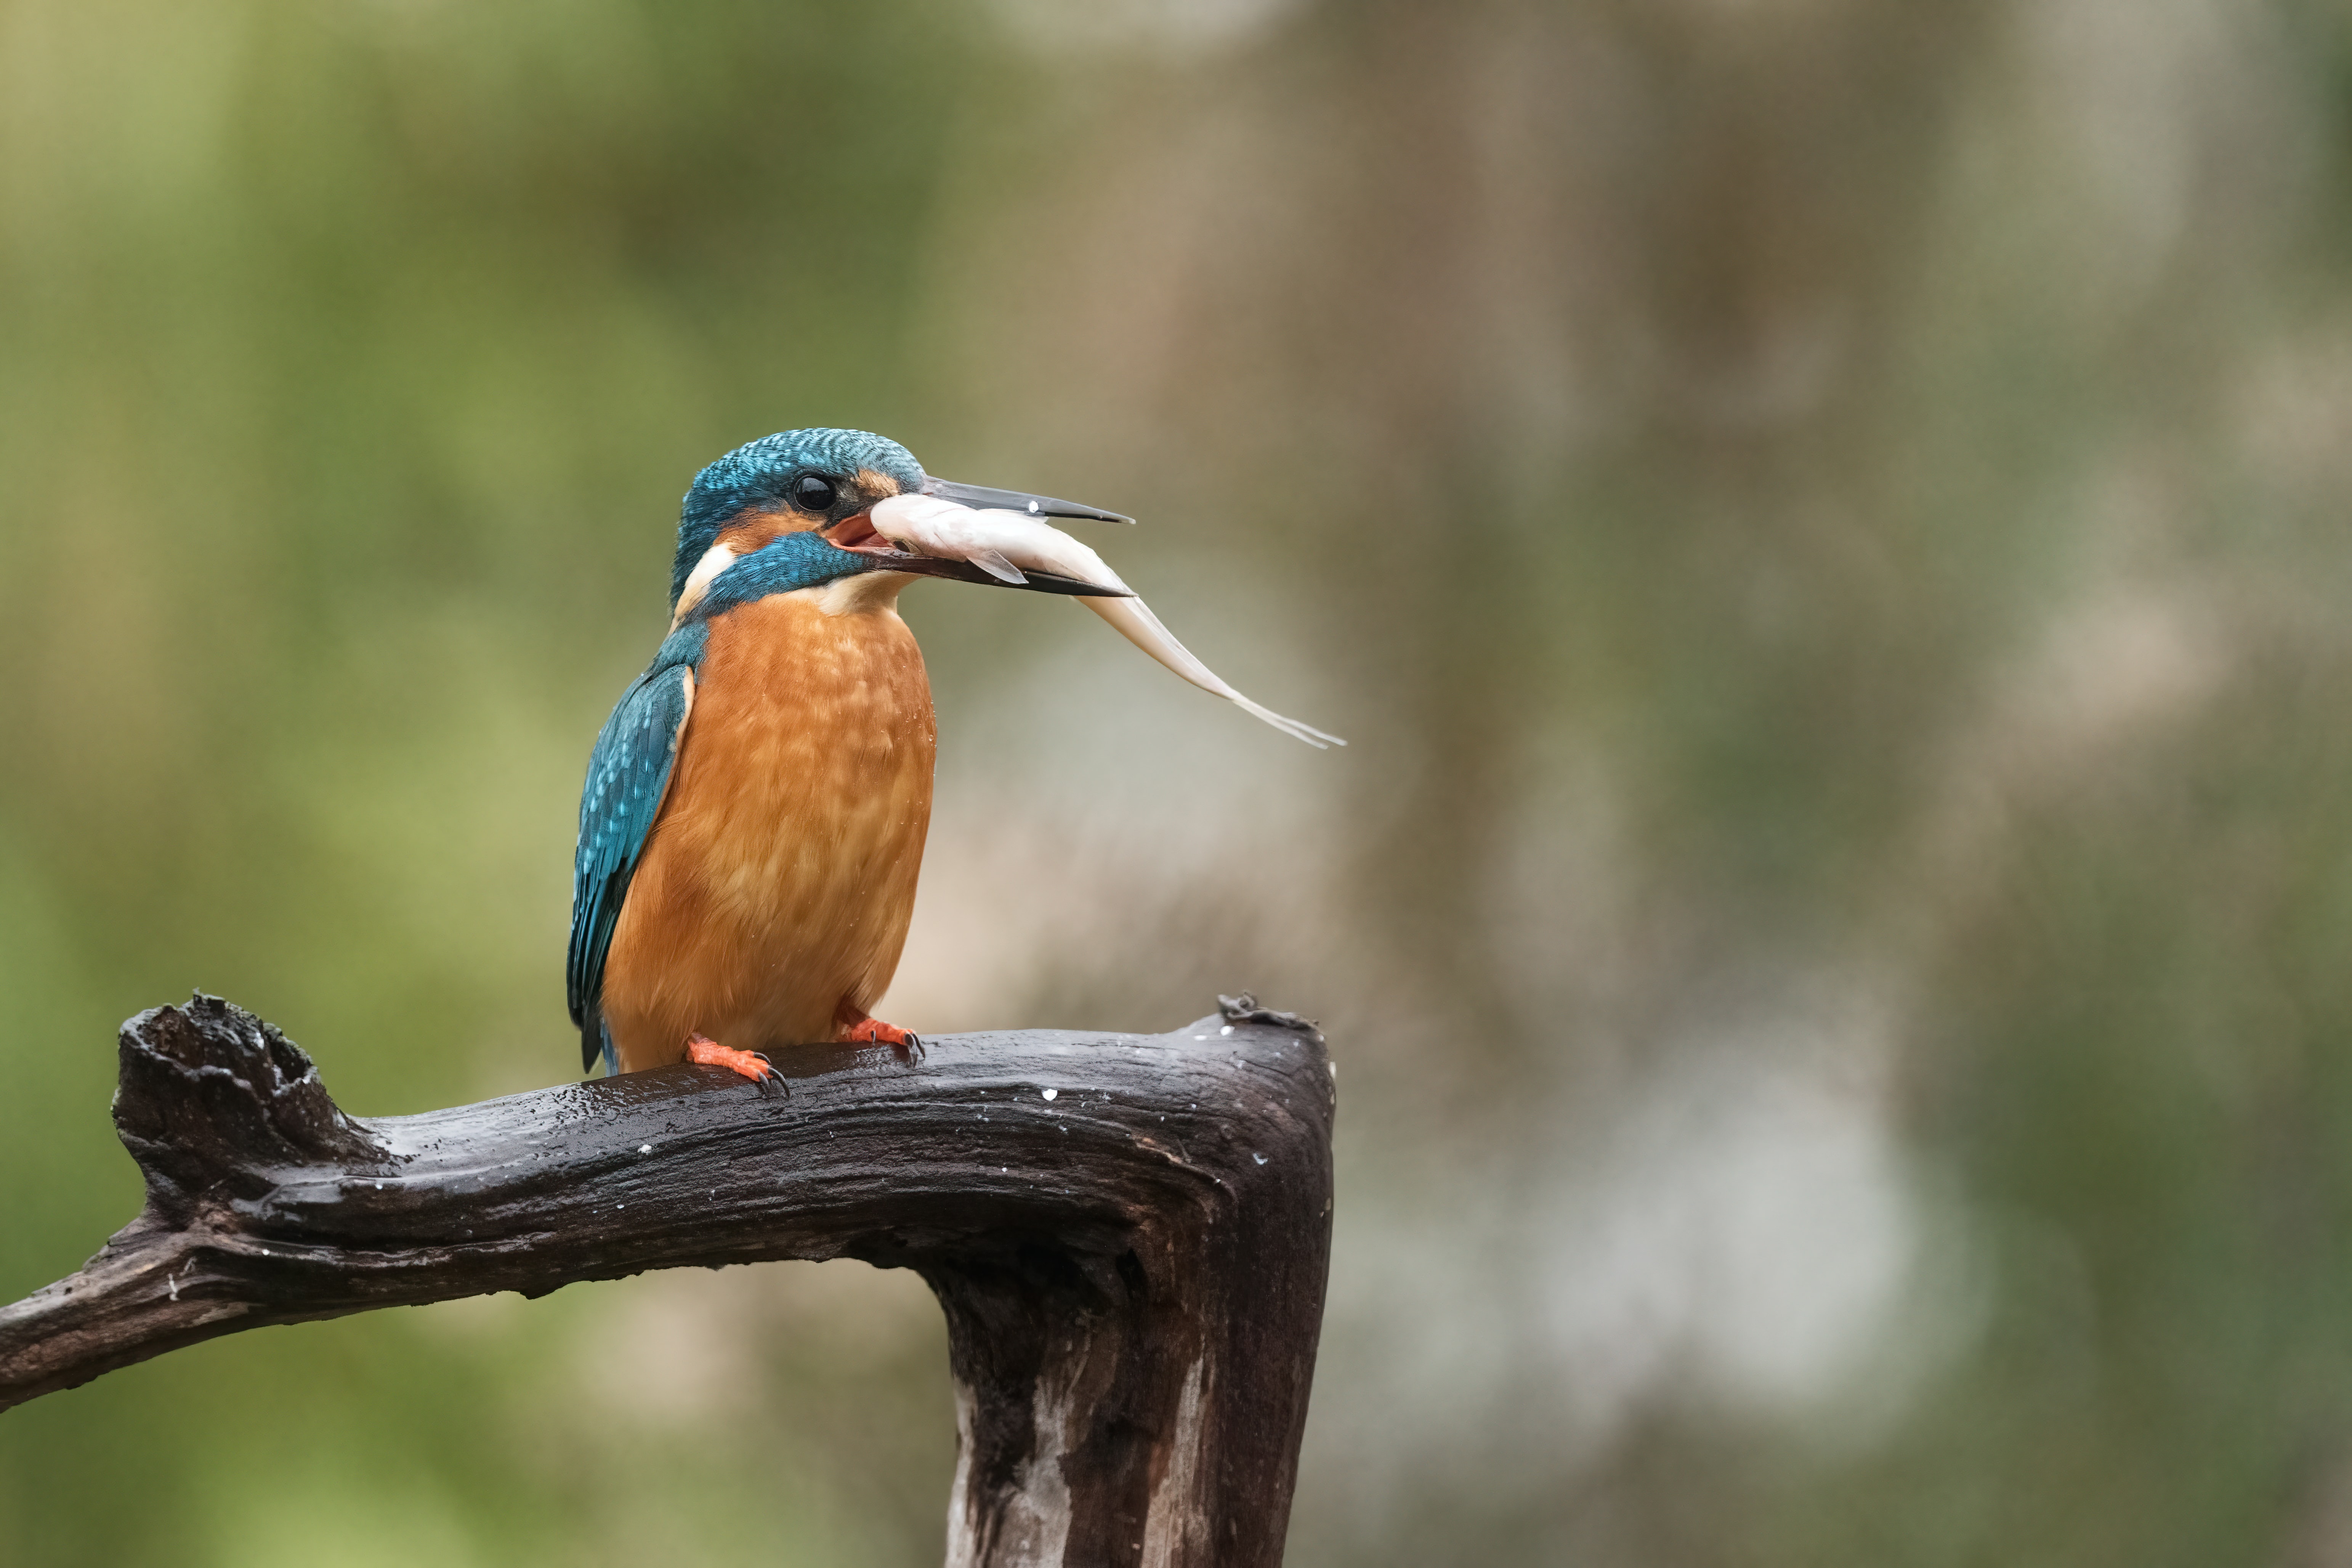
(1128, 1234)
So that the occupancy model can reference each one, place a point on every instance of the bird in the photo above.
(751, 823)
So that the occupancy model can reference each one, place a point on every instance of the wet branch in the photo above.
(1129, 1234)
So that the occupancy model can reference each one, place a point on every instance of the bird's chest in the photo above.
(808, 749)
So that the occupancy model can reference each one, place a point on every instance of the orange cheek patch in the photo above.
(746, 534)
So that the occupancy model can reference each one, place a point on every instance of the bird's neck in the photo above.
(724, 579)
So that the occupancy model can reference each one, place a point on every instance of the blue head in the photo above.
(793, 480)
(792, 511)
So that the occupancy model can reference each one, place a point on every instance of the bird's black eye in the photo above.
(812, 493)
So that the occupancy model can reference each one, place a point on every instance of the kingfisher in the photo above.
(754, 817)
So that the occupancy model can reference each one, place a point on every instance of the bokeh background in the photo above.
(1822, 519)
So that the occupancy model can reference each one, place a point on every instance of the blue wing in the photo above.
(628, 773)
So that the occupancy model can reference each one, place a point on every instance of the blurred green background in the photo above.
(1824, 522)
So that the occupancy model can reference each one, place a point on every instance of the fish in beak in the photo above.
(1007, 542)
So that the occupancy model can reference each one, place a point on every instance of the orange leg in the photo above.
(710, 1053)
(859, 1029)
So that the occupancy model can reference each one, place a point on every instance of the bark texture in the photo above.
(1128, 1234)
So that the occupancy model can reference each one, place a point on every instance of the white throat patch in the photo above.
(865, 592)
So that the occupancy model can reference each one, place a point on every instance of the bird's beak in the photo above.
(984, 499)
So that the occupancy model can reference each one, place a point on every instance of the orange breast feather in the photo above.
(773, 895)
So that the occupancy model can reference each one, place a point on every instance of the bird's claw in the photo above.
(771, 1084)
(907, 1044)
(753, 1065)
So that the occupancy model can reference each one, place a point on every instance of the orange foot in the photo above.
(875, 1032)
(710, 1053)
